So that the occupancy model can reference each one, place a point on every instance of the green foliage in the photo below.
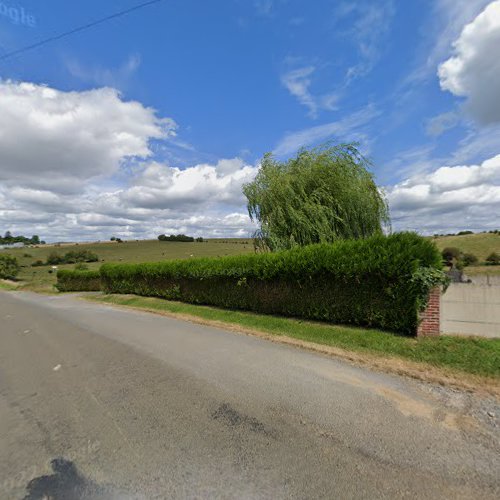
(9, 239)
(320, 196)
(469, 259)
(493, 259)
(81, 266)
(178, 237)
(54, 259)
(71, 257)
(379, 281)
(9, 267)
(450, 254)
(78, 281)
(75, 256)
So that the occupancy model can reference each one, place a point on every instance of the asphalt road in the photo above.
(101, 402)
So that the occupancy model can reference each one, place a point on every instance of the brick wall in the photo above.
(429, 319)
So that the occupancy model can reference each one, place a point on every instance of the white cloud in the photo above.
(163, 187)
(78, 166)
(347, 128)
(449, 198)
(298, 82)
(473, 71)
(54, 140)
(446, 20)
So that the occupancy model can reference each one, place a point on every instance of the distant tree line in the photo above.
(9, 239)
(464, 233)
(179, 237)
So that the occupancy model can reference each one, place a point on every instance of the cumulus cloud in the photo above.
(60, 153)
(449, 198)
(204, 200)
(473, 71)
(161, 186)
(54, 140)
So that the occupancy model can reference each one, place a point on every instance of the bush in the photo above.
(178, 237)
(38, 263)
(379, 281)
(72, 257)
(493, 259)
(469, 259)
(80, 256)
(78, 281)
(449, 254)
(9, 267)
(54, 259)
(81, 267)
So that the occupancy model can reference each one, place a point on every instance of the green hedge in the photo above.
(78, 281)
(380, 281)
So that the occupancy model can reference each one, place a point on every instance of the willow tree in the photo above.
(319, 196)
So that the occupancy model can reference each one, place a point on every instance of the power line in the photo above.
(77, 30)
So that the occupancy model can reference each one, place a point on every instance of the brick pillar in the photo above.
(429, 318)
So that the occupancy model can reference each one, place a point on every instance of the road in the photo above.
(101, 402)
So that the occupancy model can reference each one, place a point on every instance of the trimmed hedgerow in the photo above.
(78, 281)
(381, 281)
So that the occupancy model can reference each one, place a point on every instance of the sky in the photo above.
(151, 122)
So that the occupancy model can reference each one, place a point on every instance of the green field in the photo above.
(42, 280)
(480, 245)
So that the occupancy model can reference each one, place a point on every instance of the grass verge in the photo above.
(8, 285)
(468, 362)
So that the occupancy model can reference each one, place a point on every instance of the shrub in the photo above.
(178, 237)
(38, 263)
(72, 257)
(80, 256)
(493, 259)
(9, 267)
(449, 254)
(81, 266)
(469, 259)
(78, 281)
(379, 281)
(54, 259)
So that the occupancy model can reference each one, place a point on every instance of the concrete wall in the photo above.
(471, 309)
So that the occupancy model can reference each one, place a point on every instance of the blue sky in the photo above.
(182, 98)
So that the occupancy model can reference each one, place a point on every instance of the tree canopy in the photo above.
(321, 195)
